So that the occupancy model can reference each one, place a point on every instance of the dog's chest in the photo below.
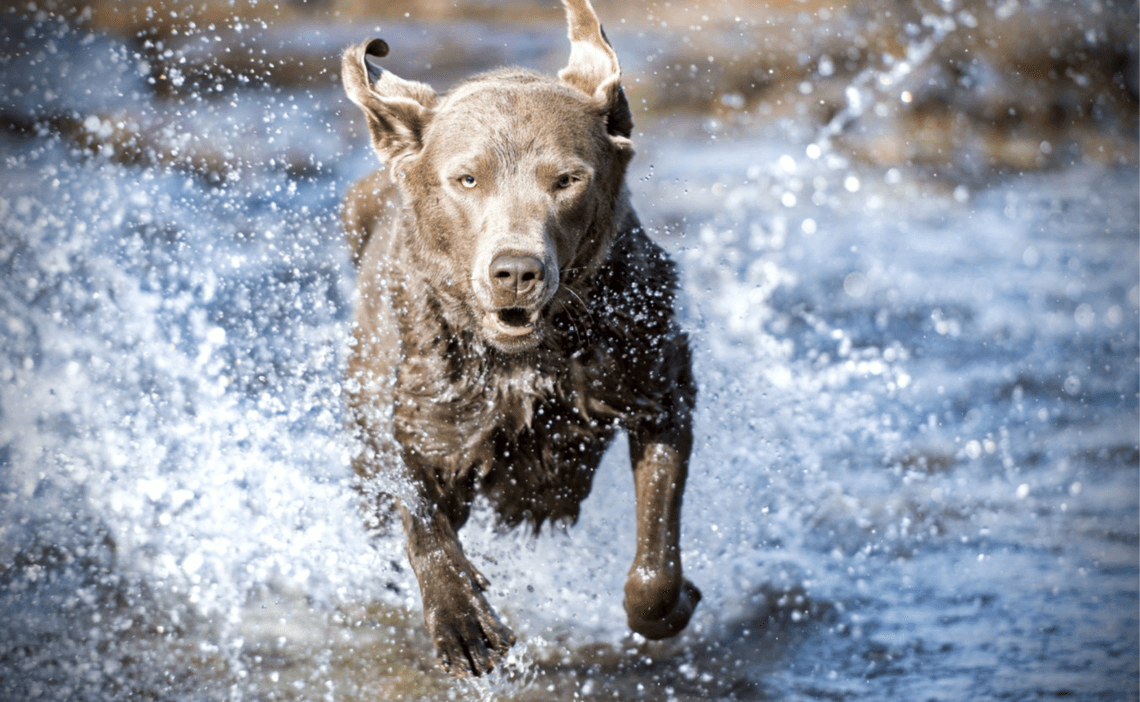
(529, 438)
(467, 414)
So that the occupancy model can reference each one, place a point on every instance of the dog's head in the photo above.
(513, 179)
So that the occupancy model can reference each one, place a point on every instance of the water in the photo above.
(916, 473)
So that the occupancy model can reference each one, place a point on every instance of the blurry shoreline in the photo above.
(967, 88)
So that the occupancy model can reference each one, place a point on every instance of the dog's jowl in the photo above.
(513, 316)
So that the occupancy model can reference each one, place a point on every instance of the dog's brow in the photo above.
(558, 165)
(465, 161)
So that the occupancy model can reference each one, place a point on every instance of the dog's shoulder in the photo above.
(638, 276)
(370, 206)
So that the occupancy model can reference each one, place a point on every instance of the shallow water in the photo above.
(916, 473)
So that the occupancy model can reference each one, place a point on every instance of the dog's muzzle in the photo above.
(518, 286)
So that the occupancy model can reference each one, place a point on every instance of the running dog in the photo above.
(513, 315)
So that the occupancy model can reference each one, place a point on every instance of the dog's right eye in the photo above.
(467, 181)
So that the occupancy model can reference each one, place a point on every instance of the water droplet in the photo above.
(855, 284)
(1084, 315)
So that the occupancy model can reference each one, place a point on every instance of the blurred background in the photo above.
(972, 86)
(909, 238)
(975, 87)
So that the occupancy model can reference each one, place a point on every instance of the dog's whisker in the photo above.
(571, 312)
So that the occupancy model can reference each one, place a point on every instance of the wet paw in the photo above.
(468, 636)
(469, 640)
(662, 612)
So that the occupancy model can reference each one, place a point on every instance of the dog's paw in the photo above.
(660, 612)
(468, 636)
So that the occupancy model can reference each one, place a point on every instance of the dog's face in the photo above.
(512, 179)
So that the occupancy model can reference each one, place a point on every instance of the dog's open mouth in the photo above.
(515, 317)
(512, 321)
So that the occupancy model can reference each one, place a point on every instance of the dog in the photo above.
(513, 316)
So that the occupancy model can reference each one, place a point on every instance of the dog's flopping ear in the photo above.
(593, 67)
(398, 110)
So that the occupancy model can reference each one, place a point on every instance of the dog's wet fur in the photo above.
(513, 315)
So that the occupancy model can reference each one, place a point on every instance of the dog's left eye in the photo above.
(468, 181)
(565, 181)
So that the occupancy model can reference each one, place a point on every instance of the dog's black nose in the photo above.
(518, 274)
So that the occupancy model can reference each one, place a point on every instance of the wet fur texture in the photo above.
(513, 317)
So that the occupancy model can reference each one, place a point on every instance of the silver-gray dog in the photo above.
(513, 316)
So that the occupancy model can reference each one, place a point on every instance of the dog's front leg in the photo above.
(658, 599)
(468, 636)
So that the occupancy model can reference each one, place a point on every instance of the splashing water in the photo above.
(860, 94)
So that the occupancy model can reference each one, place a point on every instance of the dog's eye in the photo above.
(467, 181)
(565, 181)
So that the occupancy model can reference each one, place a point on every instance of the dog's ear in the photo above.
(398, 110)
(593, 67)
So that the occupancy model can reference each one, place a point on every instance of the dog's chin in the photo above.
(513, 329)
